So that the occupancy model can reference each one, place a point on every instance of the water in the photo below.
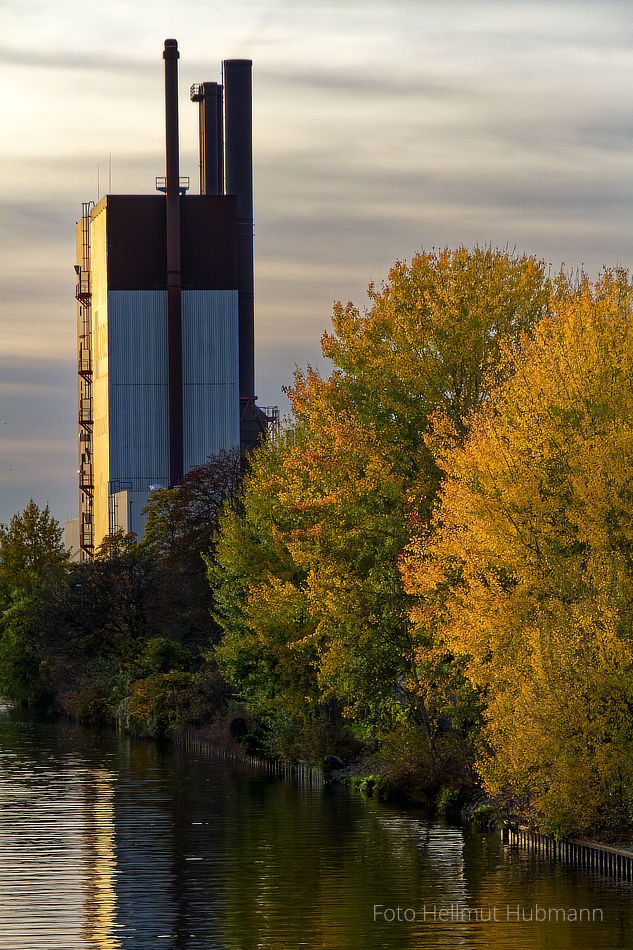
(115, 844)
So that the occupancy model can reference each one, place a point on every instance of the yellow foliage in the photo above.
(528, 573)
(333, 498)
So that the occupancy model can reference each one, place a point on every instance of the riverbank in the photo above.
(480, 812)
(363, 777)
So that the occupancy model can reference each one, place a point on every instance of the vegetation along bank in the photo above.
(429, 564)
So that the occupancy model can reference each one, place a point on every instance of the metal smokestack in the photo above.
(174, 320)
(238, 136)
(208, 95)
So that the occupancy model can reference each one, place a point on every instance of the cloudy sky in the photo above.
(380, 128)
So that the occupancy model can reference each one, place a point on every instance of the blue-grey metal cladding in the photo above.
(138, 386)
(126, 510)
(210, 358)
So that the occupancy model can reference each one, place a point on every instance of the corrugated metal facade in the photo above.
(210, 373)
(138, 388)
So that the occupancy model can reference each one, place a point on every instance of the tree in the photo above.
(20, 656)
(33, 562)
(258, 589)
(180, 527)
(307, 581)
(31, 551)
(527, 571)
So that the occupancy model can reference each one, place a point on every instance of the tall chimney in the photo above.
(209, 97)
(238, 135)
(174, 320)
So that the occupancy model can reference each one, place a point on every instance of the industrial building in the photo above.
(165, 317)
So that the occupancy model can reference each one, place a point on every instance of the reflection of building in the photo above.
(165, 317)
(99, 885)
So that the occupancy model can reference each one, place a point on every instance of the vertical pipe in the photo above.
(209, 96)
(174, 318)
(219, 104)
(238, 134)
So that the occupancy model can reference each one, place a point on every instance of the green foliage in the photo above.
(171, 700)
(159, 703)
(310, 739)
(20, 660)
(368, 783)
(256, 741)
(209, 696)
(485, 817)
(410, 769)
(179, 530)
(31, 552)
(103, 607)
(448, 802)
(267, 650)
(306, 578)
(160, 655)
(100, 688)
(85, 633)
(116, 546)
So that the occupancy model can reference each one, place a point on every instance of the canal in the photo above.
(111, 843)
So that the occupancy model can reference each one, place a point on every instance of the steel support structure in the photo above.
(83, 293)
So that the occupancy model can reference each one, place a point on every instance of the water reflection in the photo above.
(112, 844)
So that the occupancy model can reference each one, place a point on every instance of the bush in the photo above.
(367, 784)
(100, 688)
(411, 771)
(161, 655)
(173, 700)
(448, 802)
(209, 696)
(159, 703)
(309, 740)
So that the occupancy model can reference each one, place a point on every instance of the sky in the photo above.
(379, 129)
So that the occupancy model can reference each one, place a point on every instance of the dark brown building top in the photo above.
(136, 236)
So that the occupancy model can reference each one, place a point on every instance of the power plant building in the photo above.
(165, 318)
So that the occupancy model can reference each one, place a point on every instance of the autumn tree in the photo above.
(527, 573)
(308, 585)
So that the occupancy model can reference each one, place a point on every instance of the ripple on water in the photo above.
(121, 845)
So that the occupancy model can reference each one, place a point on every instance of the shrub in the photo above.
(310, 740)
(411, 771)
(159, 703)
(448, 802)
(161, 655)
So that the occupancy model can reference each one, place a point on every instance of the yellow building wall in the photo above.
(100, 404)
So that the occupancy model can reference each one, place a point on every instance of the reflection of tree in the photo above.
(311, 865)
(146, 842)
(111, 842)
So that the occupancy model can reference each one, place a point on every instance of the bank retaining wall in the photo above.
(301, 772)
(614, 862)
